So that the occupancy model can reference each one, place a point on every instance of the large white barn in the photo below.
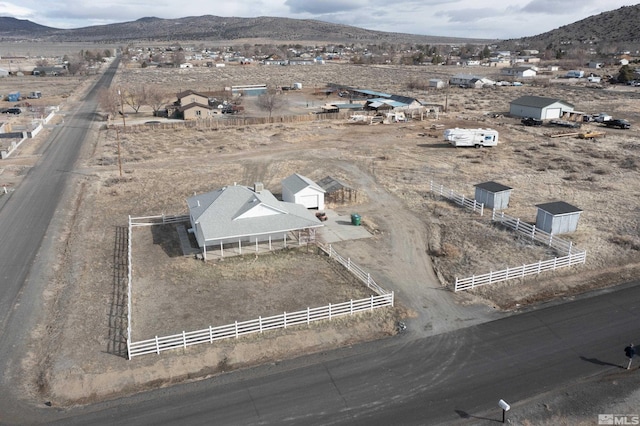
(539, 107)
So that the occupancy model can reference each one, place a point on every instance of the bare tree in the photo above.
(157, 98)
(109, 101)
(270, 101)
(135, 96)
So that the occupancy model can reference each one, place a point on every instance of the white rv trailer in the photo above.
(471, 137)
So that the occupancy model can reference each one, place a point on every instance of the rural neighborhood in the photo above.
(239, 205)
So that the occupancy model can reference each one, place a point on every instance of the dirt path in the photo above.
(409, 270)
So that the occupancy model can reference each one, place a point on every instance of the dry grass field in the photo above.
(390, 165)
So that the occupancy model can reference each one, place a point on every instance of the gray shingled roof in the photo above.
(493, 187)
(296, 183)
(558, 208)
(237, 211)
(538, 101)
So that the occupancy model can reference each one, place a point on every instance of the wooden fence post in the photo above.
(210, 334)
(184, 339)
(157, 346)
(284, 316)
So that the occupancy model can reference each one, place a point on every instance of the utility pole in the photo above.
(124, 128)
(119, 156)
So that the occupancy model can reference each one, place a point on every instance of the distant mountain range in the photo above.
(618, 27)
(214, 28)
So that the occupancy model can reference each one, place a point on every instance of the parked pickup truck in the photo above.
(530, 121)
(619, 123)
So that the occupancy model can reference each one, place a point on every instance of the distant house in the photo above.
(520, 72)
(557, 217)
(302, 190)
(191, 105)
(240, 214)
(190, 97)
(194, 111)
(539, 107)
(469, 81)
(4, 73)
(49, 71)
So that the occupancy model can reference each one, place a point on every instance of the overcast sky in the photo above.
(501, 19)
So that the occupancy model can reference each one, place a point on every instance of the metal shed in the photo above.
(539, 107)
(493, 195)
(557, 217)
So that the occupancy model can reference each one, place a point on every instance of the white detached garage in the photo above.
(302, 190)
(539, 107)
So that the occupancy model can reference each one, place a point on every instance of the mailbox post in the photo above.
(505, 407)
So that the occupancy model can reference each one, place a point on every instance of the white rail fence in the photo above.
(572, 257)
(156, 345)
(468, 203)
(532, 232)
(259, 325)
(363, 276)
(520, 271)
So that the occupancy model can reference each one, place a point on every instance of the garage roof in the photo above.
(538, 101)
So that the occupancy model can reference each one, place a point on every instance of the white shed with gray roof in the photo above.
(235, 214)
(302, 190)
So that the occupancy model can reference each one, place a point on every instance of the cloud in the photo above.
(13, 11)
(324, 7)
(469, 15)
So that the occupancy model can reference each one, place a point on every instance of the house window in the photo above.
(198, 113)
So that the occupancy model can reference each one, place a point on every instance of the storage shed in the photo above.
(336, 191)
(539, 107)
(302, 190)
(436, 83)
(557, 217)
(493, 195)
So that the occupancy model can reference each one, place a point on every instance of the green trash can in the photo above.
(355, 219)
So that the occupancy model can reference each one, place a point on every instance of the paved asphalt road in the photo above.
(436, 380)
(401, 380)
(25, 216)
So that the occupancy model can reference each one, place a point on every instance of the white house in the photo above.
(302, 190)
(4, 73)
(521, 72)
(539, 107)
(240, 214)
(472, 81)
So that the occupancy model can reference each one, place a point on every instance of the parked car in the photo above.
(14, 110)
(530, 121)
(619, 123)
